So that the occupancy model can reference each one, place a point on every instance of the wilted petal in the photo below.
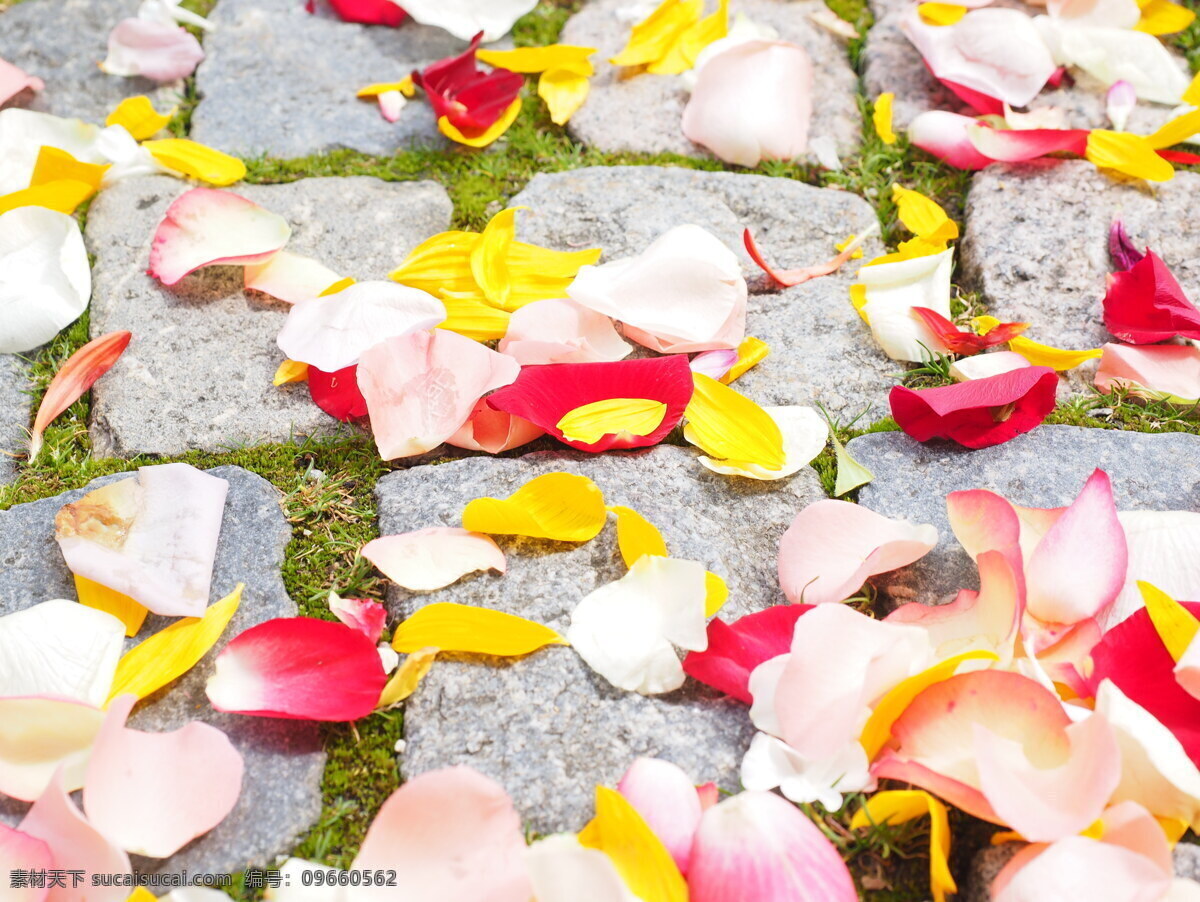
(561, 331)
(59, 648)
(42, 736)
(429, 559)
(291, 277)
(494, 431)
(894, 289)
(159, 51)
(666, 799)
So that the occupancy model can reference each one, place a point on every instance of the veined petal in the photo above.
(429, 559)
(1127, 154)
(589, 423)
(59, 648)
(489, 257)
(442, 262)
(197, 161)
(668, 802)
(805, 434)
(563, 507)
(40, 737)
(728, 426)
(640, 857)
(653, 37)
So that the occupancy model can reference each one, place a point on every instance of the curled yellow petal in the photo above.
(564, 507)
(726, 425)
(408, 676)
(55, 165)
(612, 416)
(1174, 623)
(923, 217)
(1176, 131)
(472, 630)
(138, 117)
(1127, 154)
(686, 49)
(751, 352)
(498, 128)
(1045, 355)
(172, 652)
(62, 196)
(470, 315)
(901, 805)
(564, 92)
(290, 371)
(652, 38)
(531, 60)
(440, 263)
(637, 536)
(716, 593)
(941, 13)
(881, 117)
(645, 865)
(129, 612)
(197, 161)
(1164, 17)
(541, 274)
(405, 86)
(489, 257)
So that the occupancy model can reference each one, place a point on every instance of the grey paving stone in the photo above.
(546, 726)
(14, 414)
(305, 70)
(198, 372)
(644, 113)
(281, 791)
(820, 349)
(61, 41)
(1036, 242)
(1043, 468)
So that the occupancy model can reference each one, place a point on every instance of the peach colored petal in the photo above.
(15, 84)
(1080, 868)
(981, 366)
(493, 431)
(667, 800)
(40, 736)
(20, 851)
(1187, 669)
(833, 547)
(1151, 371)
(561, 331)
(152, 793)
(290, 278)
(428, 559)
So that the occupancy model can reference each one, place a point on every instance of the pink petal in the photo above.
(298, 668)
(666, 799)
(14, 83)
(984, 521)
(493, 431)
(833, 547)
(159, 51)
(1150, 369)
(421, 388)
(715, 363)
(1187, 670)
(290, 278)
(753, 102)
(207, 227)
(453, 836)
(153, 793)
(21, 852)
(1119, 103)
(366, 616)
(756, 847)
(75, 844)
(561, 331)
(41, 736)
(736, 649)
(1019, 145)
(433, 558)
(945, 136)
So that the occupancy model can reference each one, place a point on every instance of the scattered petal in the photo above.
(197, 161)
(668, 802)
(735, 649)
(291, 277)
(894, 289)
(804, 433)
(472, 630)
(138, 117)
(1145, 304)
(983, 365)
(1157, 372)
(729, 427)
(561, 331)
(494, 431)
(465, 18)
(881, 117)
(407, 678)
(563, 507)
(59, 648)
(16, 85)
(644, 863)
(1045, 355)
(41, 737)
(434, 558)
(158, 51)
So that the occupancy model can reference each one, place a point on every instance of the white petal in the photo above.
(291, 278)
(562, 870)
(771, 763)
(293, 887)
(980, 366)
(805, 434)
(625, 630)
(1164, 549)
(128, 158)
(893, 289)
(466, 18)
(331, 333)
(60, 648)
(162, 52)
(433, 558)
(1115, 13)
(23, 133)
(763, 685)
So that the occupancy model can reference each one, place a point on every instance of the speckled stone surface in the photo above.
(198, 372)
(61, 41)
(14, 414)
(643, 113)
(304, 70)
(281, 791)
(546, 726)
(1043, 468)
(1036, 242)
(820, 348)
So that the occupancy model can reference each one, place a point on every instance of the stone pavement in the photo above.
(14, 414)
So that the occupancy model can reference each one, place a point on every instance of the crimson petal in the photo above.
(366, 12)
(473, 100)
(960, 341)
(735, 649)
(1121, 249)
(337, 393)
(1145, 304)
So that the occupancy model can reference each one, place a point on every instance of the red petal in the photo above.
(469, 97)
(979, 413)
(337, 393)
(980, 102)
(367, 12)
(1120, 248)
(960, 341)
(1179, 156)
(1145, 304)
(735, 649)
(791, 277)
(1017, 145)
(545, 394)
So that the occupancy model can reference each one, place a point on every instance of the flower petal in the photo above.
(1145, 304)
(291, 277)
(59, 648)
(564, 507)
(894, 289)
(138, 117)
(470, 629)
(1164, 547)
(15, 84)
(562, 870)
(366, 616)
(1018, 145)
(667, 800)
(1158, 372)
(159, 51)
(735, 650)
(770, 764)
(465, 18)
(41, 736)
(728, 426)
(805, 434)
(429, 559)
(494, 431)
(22, 852)
(945, 135)
(901, 806)
(197, 161)
(561, 331)
(983, 365)
(1045, 355)
(643, 861)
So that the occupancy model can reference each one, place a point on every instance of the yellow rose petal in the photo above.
(405, 86)
(470, 315)
(540, 274)
(531, 60)
(1173, 828)
(55, 165)
(726, 425)
(440, 263)
(612, 416)
(941, 13)
(858, 300)
(645, 865)
(923, 217)
(984, 324)
(129, 612)
(1127, 154)
(898, 806)
(1174, 623)
(881, 117)
(691, 41)
(408, 676)
(653, 37)
(489, 258)
(138, 117)
(564, 92)
(842, 245)
(637, 536)
(472, 630)
(172, 652)
(1164, 17)
(197, 161)
(1176, 131)
(290, 371)
(564, 507)
(751, 352)
(716, 593)
(339, 285)
(62, 196)
(1045, 355)
(498, 128)
(1192, 95)
(141, 894)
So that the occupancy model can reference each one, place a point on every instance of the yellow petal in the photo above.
(141, 894)
(468, 629)
(612, 416)
(984, 324)
(842, 245)
(1176, 131)
(1164, 17)
(63, 196)
(540, 274)
(858, 300)
(172, 652)
(726, 425)
(716, 593)
(923, 217)
(637, 536)
(898, 806)
(1192, 95)
(290, 371)
(645, 865)
(339, 285)
(692, 40)
(55, 165)
(197, 161)
(408, 676)
(751, 352)
(531, 60)
(564, 507)
(489, 258)
(1128, 154)
(470, 315)
(653, 37)
(1045, 355)
(1173, 828)
(1174, 623)
(138, 117)
(102, 598)
(941, 13)
(564, 92)
(498, 128)
(440, 263)
(878, 730)
(405, 86)
(881, 117)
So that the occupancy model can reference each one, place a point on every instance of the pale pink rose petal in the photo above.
(668, 801)
(207, 227)
(75, 844)
(757, 847)
(159, 51)
(494, 431)
(41, 736)
(1080, 868)
(453, 836)
(980, 366)
(15, 84)
(428, 559)
(753, 102)
(1187, 669)
(715, 364)
(20, 851)
(561, 331)
(421, 388)
(945, 135)
(153, 793)
(290, 278)
(984, 521)
(1151, 369)
(362, 614)
(833, 547)
(1013, 145)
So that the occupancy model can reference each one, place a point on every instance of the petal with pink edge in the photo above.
(207, 227)
(736, 649)
(159, 51)
(1187, 670)
(561, 331)
(22, 852)
(833, 547)
(1159, 372)
(362, 614)
(453, 835)
(290, 278)
(493, 431)
(667, 800)
(756, 847)
(428, 559)
(984, 521)
(562, 870)
(1016, 145)
(944, 135)
(152, 793)
(15, 84)
(40, 736)
(298, 668)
